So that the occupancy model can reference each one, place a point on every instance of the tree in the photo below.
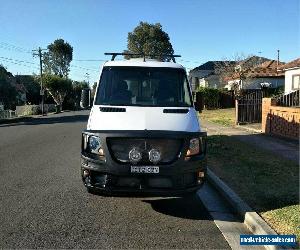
(58, 87)
(94, 90)
(149, 39)
(58, 58)
(30, 82)
(8, 93)
(77, 88)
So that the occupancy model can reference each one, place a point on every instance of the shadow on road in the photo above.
(50, 120)
(187, 207)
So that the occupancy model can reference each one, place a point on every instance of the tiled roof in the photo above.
(293, 64)
(266, 69)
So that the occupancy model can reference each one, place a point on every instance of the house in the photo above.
(214, 74)
(30, 85)
(257, 76)
(291, 71)
(206, 75)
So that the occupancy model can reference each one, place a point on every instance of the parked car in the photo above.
(143, 133)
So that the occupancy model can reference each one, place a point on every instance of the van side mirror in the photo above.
(85, 100)
(199, 103)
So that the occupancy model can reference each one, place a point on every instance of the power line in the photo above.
(103, 60)
(22, 61)
(79, 67)
(197, 62)
(17, 62)
(12, 47)
(9, 46)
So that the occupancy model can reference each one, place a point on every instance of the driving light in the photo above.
(94, 144)
(194, 147)
(154, 155)
(101, 151)
(135, 155)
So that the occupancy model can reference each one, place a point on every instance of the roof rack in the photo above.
(114, 55)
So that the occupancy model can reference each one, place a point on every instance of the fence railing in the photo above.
(289, 100)
(4, 114)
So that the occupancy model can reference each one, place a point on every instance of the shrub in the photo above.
(30, 110)
(211, 97)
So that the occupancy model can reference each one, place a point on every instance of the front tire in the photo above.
(91, 191)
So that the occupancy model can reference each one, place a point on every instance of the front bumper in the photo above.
(180, 176)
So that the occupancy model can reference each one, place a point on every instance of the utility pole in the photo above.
(87, 77)
(278, 51)
(42, 91)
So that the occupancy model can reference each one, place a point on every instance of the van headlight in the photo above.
(94, 145)
(196, 147)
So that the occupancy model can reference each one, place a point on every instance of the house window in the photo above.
(296, 81)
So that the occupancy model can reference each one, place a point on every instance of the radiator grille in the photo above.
(120, 147)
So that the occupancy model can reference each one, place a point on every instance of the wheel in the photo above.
(91, 191)
(97, 192)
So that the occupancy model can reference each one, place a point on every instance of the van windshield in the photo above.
(143, 86)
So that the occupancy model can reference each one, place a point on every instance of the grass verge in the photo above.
(225, 117)
(268, 183)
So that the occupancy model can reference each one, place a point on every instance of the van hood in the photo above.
(143, 118)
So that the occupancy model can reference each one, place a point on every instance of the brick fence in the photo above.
(282, 121)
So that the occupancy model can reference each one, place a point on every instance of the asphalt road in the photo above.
(43, 203)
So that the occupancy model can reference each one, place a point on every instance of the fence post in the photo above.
(266, 114)
(236, 112)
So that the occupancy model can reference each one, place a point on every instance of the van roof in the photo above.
(140, 63)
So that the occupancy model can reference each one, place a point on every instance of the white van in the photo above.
(143, 133)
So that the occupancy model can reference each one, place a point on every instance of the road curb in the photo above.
(251, 219)
(26, 118)
(16, 120)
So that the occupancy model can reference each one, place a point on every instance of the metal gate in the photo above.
(249, 107)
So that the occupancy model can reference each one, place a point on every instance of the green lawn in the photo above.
(268, 183)
(286, 220)
(225, 117)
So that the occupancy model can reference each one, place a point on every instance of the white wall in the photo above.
(255, 83)
(213, 81)
(289, 79)
(197, 75)
(230, 84)
(202, 82)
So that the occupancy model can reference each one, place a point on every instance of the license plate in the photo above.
(145, 169)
